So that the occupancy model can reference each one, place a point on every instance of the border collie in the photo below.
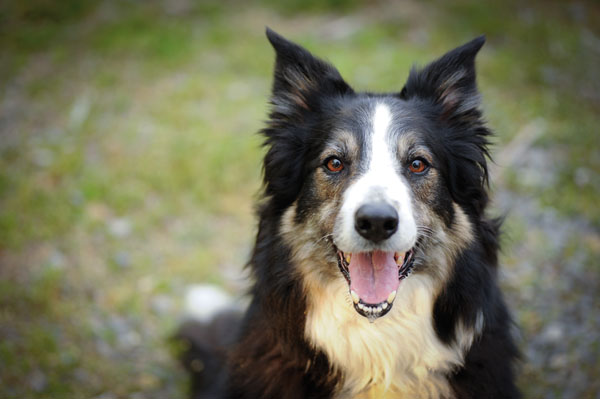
(375, 265)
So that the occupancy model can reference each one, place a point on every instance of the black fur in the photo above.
(270, 357)
(301, 86)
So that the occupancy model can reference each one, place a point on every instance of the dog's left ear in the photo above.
(449, 82)
(299, 77)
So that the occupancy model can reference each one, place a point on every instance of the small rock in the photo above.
(582, 176)
(161, 304)
(38, 381)
(104, 348)
(79, 112)
(42, 157)
(119, 325)
(129, 340)
(203, 301)
(119, 227)
(553, 333)
(76, 198)
(57, 260)
(122, 259)
(559, 361)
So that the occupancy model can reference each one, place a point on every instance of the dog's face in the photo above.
(365, 184)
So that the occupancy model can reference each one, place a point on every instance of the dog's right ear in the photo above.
(299, 77)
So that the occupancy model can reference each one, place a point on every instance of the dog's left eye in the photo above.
(418, 166)
(334, 165)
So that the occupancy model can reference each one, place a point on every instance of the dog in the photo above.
(375, 265)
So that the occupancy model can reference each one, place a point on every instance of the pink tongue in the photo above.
(373, 275)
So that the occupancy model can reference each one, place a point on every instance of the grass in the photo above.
(129, 161)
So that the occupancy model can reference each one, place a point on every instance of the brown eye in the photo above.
(417, 166)
(334, 165)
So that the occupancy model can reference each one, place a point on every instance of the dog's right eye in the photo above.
(334, 165)
(418, 166)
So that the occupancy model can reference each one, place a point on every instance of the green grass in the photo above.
(146, 115)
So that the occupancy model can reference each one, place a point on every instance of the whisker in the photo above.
(425, 231)
(425, 228)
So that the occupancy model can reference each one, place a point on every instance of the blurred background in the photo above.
(129, 165)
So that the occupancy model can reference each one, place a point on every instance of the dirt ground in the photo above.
(130, 163)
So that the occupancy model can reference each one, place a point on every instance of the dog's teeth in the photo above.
(361, 306)
(391, 297)
(354, 296)
(379, 309)
(400, 258)
(348, 258)
(384, 305)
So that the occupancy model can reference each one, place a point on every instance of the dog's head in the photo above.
(363, 184)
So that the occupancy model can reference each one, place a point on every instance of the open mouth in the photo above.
(374, 278)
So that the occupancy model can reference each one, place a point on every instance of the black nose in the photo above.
(376, 221)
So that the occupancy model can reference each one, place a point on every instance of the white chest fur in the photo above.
(399, 355)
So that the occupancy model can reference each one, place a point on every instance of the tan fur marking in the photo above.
(344, 143)
(405, 141)
(301, 85)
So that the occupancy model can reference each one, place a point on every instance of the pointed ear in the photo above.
(449, 82)
(299, 76)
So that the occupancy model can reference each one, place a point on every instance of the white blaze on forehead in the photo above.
(381, 121)
(381, 157)
(380, 183)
